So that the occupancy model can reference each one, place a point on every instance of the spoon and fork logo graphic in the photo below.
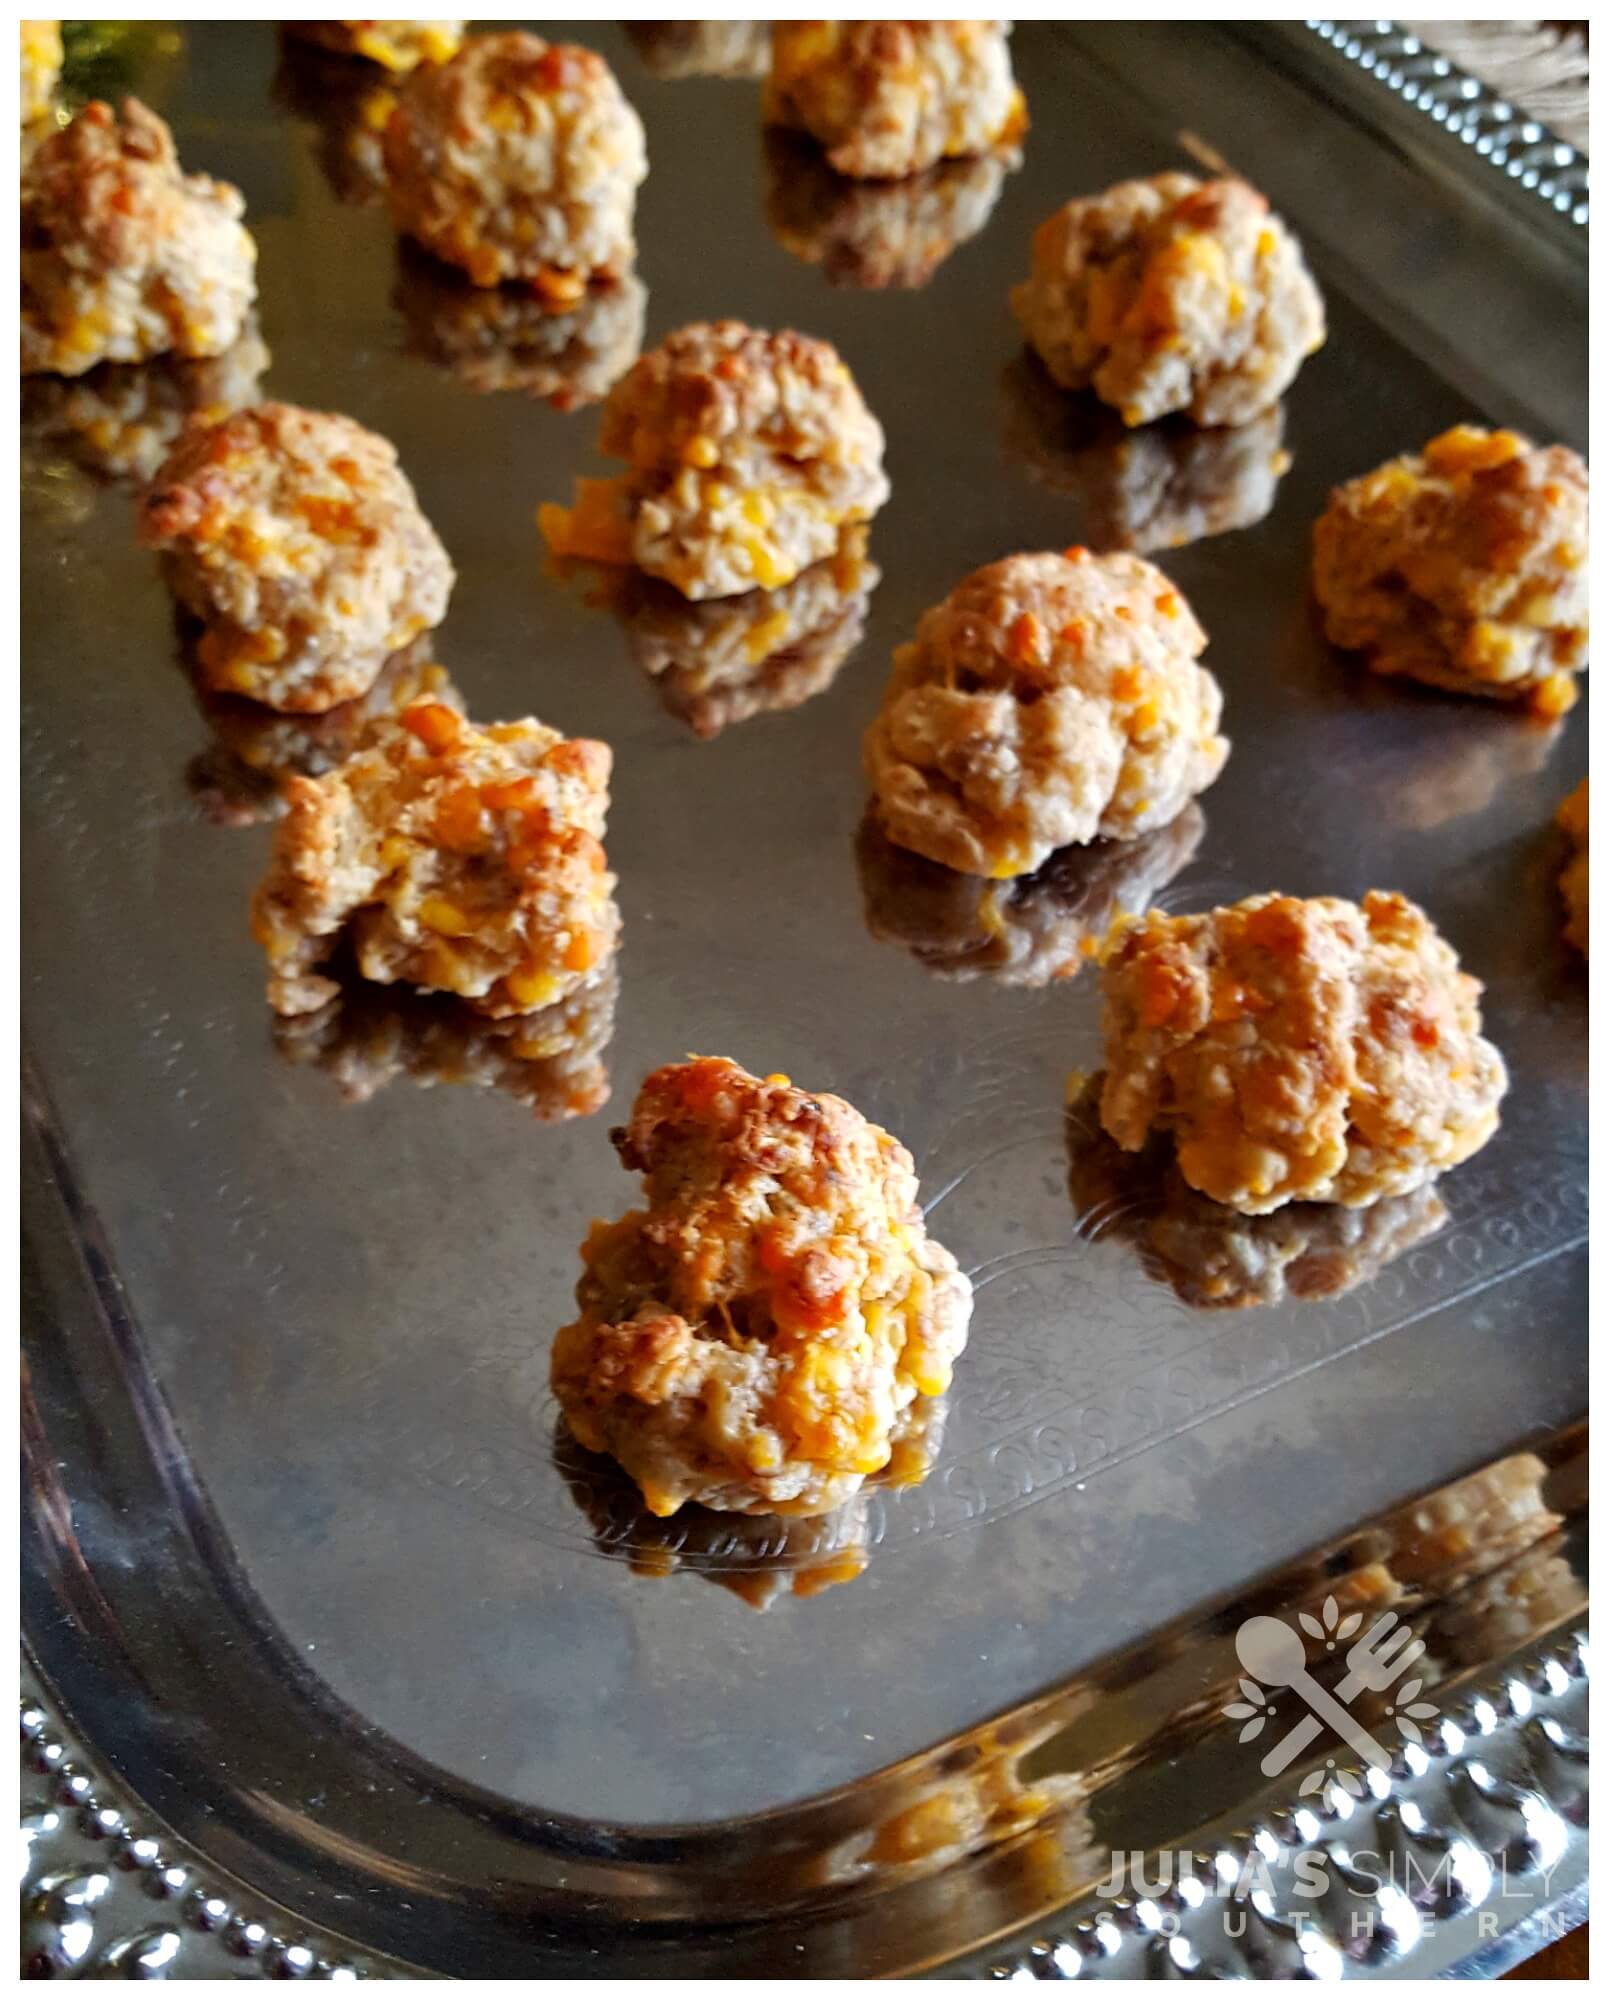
(1274, 1655)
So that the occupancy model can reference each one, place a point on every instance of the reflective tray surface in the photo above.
(329, 1324)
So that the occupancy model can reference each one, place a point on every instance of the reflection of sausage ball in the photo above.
(1215, 1257)
(1171, 294)
(297, 541)
(123, 256)
(1298, 1051)
(1158, 487)
(120, 420)
(550, 1060)
(749, 453)
(501, 337)
(457, 859)
(875, 234)
(519, 160)
(750, 1339)
(394, 45)
(735, 657)
(1048, 699)
(888, 98)
(674, 49)
(41, 57)
(238, 778)
(1572, 818)
(1027, 930)
(349, 105)
(1463, 565)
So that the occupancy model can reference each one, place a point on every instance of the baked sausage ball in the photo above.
(121, 420)
(296, 540)
(501, 337)
(1464, 565)
(239, 778)
(456, 859)
(751, 1339)
(749, 454)
(124, 257)
(1572, 817)
(735, 657)
(41, 58)
(1047, 700)
(1159, 487)
(1171, 294)
(394, 45)
(1298, 1050)
(1027, 930)
(888, 98)
(877, 234)
(550, 1061)
(519, 160)
(673, 49)
(1214, 1257)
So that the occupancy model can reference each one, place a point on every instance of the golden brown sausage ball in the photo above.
(41, 60)
(398, 46)
(752, 1338)
(1297, 1050)
(1464, 565)
(750, 453)
(456, 859)
(296, 540)
(123, 256)
(1171, 294)
(1049, 699)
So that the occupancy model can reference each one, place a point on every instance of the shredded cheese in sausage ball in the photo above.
(124, 257)
(1049, 699)
(457, 859)
(519, 161)
(395, 45)
(1465, 566)
(753, 1338)
(749, 454)
(1572, 817)
(887, 98)
(296, 540)
(41, 59)
(1171, 294)
(1297, 1050)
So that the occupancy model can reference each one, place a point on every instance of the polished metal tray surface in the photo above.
(307, 1557)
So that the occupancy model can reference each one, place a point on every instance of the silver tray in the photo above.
(339, 1659)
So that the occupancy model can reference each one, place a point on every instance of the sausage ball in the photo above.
(749, 454)
(519, 160)
(674, 49)
(120, 420)
(736, 657)
(888, 98)
(877, 234)
(1572, 817)
(239, 778)
(296, 540)
(751, 1339)
(455, 859)
(41, 58)
(1464, 565)
(1214, 1257)
(549, 1061)
(124, 257)
(395, 45)
(1171, 294)
(496, 338)
(1160, 487)
(1027, 930)
(1049, 699)
(1298, 1050)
